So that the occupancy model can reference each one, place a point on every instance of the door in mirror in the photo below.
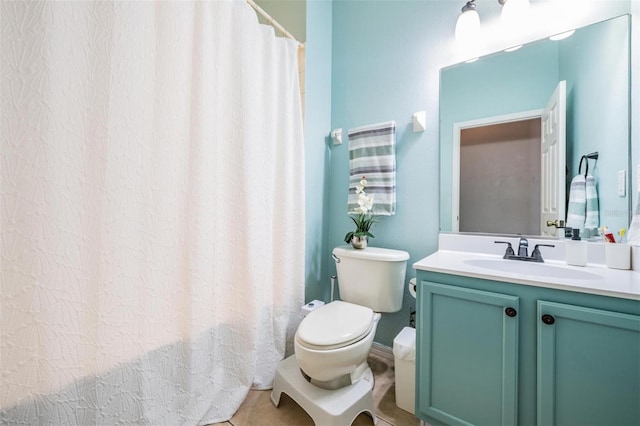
(553, 158)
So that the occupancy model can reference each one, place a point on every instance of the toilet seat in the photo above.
(335, 325)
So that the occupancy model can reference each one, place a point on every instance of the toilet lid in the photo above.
(335, 324)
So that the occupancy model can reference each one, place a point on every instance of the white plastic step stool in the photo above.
(338, 407)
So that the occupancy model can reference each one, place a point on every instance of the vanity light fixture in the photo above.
(562, 36)
(468, 24)
(513, 16)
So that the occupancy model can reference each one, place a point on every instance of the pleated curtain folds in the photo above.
(152, 210)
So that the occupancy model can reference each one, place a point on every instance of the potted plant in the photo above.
(363, 220)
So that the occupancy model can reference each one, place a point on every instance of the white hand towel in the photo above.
(372, 154)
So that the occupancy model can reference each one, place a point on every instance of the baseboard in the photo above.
(380, 350)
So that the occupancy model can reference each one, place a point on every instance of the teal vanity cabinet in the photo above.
(471, 355)
(497, 353)
(588, 366)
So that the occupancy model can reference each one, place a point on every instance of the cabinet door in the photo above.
(467, 356)
(588, 366)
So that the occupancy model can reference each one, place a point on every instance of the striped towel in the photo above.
(577, 211)
(372, 154)
(592, 219)
(583, 212)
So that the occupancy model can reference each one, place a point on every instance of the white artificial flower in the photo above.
(369, 202)
(365, 202)
(360, 188)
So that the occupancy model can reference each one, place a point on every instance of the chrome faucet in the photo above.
(523, 246)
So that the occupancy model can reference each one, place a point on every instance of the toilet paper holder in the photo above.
(412, 287)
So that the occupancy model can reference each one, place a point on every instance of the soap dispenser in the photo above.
(576, 249)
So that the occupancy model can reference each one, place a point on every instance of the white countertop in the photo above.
(451, 259)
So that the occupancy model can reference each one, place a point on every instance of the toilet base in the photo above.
(337, 407)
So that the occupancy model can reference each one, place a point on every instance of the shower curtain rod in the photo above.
(272, 21)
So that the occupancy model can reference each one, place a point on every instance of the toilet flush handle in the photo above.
(336, 258)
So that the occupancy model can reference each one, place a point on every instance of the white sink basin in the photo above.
(532, 268)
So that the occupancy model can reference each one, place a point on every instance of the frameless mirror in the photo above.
(493, 166)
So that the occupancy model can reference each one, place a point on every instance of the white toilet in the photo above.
(329, 376)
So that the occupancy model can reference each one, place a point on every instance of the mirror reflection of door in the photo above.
(512, 171)
(552, 187)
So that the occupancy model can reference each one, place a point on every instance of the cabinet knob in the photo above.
(510, 312)
(548, 319)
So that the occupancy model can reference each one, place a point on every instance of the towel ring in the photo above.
(584, 157)
(593, 156)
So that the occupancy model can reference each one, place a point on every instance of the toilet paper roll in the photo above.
(412, 287)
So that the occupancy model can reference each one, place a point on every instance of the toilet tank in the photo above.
(372, 277)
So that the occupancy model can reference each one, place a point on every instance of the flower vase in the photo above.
(359, 242)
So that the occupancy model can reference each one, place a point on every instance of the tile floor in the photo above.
(257, 409)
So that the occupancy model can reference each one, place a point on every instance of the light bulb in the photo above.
(468, 24)
(514, 19)
(514, 11)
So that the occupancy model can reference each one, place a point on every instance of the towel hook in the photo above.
(584, 158)
(592, 156)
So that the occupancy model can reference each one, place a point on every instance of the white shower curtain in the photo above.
(152, 210)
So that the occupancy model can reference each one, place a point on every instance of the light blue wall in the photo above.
(598, 110)
(386, 58)
(317, 153)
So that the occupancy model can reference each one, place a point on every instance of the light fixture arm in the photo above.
(471, 5)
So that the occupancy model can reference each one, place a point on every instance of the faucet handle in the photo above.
(536, 255)
(509, 251)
